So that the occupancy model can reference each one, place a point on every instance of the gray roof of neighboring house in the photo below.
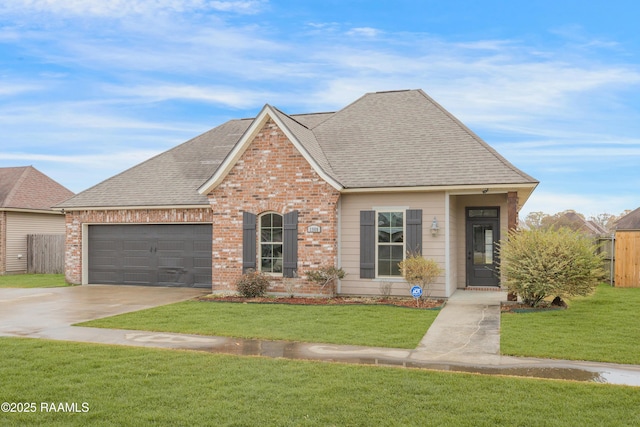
(630, 221)
(384, 139)
(26, 187)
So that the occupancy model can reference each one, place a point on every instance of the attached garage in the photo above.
(150, 254)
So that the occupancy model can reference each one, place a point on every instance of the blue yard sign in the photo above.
(416, 291)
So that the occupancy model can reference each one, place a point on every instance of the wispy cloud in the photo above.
(120, 8)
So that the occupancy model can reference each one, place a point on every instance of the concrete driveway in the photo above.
(39, 312)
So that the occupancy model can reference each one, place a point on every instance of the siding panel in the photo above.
(19, 225)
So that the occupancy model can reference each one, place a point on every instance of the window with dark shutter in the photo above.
(248, 241)
(414, 231)
(290, 241)
(367, 244)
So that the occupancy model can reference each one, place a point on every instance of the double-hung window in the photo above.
(390, 244)
(271, 240)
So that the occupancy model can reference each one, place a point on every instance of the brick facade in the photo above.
(273, 176)
(75, 220)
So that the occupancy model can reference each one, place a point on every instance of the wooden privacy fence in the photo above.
(627, 265)
(45, 253)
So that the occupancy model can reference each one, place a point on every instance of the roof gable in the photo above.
(299, 135)
(28, 188)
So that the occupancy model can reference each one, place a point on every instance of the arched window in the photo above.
(271, 237)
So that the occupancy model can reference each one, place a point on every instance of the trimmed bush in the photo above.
(252, 284)
(550, 263)
(420, 271)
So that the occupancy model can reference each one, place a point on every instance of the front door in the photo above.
(483, 234)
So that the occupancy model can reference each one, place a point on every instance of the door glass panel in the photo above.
(482, 244)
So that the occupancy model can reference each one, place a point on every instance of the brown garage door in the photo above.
(150, 254)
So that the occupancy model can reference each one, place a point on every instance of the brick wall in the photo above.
(75, 220)
(272, 176)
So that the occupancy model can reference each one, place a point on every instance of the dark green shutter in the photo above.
(248, 241)
(413, 228)
(367, 244)
(290, 244)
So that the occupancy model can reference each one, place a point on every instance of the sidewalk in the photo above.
(464, 337)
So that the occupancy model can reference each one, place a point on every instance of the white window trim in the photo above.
(259, 233)
(378, 209)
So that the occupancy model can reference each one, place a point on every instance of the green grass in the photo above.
(369, 325)
(32, 281)
(602, 327)
(139, 386)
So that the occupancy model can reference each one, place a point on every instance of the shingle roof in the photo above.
(384, 139)
(28, 188)
(630, 221)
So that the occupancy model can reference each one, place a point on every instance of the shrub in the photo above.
(420, 271)
(252, 284)
(326, 276)
(542, 263)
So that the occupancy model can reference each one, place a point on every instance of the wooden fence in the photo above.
(627, 266)
(45, 253)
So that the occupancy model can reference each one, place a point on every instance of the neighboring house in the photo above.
(577, 222)
(26, 198)
(627, 250)
(389, 174)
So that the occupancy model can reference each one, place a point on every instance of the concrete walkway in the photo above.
(464, 337)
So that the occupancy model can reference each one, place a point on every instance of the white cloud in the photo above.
(120, 8)
(364, 32)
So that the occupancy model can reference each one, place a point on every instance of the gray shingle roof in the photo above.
(384, 139)
(630, 221)
(27, 188)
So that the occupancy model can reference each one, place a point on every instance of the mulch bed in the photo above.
(398, 302)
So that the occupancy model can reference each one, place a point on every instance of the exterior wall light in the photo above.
(434, 227)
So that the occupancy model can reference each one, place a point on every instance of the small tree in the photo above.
(326, 276)
(420, 271)
(540, 263)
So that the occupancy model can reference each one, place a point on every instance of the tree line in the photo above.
(598, 224)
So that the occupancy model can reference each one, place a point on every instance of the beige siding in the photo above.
(462, 202)
(432, 204)
(19, 224)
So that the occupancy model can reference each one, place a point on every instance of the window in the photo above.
(390, 243)
(271, 232)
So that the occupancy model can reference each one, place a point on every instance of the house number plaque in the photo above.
(314, 229)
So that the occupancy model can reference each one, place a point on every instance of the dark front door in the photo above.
(483, 233)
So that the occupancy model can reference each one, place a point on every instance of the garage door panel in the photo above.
(150, 254)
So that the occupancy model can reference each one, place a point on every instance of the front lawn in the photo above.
(368, 325)
(111, 385)
(602, 327)
(32, 281)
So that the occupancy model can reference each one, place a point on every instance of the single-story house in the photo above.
(390, 174)
(26, 198)
(627, 250)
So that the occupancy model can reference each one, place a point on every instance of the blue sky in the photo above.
(90, 88)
